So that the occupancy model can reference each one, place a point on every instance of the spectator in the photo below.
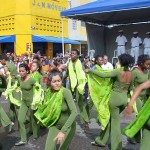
(45, 67)
(106, 65)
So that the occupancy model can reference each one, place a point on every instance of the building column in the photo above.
(49, 50)
(23, 44)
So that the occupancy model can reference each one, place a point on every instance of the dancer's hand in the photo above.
(128, 111)
(59, 138)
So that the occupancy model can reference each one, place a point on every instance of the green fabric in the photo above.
(134, 105)
(38, 96)
(100, 91)
(22, 115)
(12, 69)
(77, 76)
(10, 89)
(49, 112)
(4, 119)
(36, 76)
(139, 121)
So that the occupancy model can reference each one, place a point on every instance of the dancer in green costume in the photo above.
(10, 67)
(36, 72)
(77, 80)
(141, 73)
(97, 66)
(26, 84)
(4, 119)
(142, 121)
(58, 113)
(118, 100)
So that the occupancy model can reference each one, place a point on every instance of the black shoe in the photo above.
(131, 141)
(96, 144)
(20, 143)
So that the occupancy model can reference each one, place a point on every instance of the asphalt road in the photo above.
(81, 141)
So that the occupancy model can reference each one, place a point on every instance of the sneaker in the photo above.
(20, 143)
(10, 127)
(96, 144)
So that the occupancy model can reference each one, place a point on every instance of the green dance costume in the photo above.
(13, 109)
(58, 113)
(139, 79)
(27, 98)
(142, 121)
(77, 81)
(117, 102)
(5, 121)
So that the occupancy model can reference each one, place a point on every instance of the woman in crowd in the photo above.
(118, 100)
(26, 84)
(142, 74)
(36, 72)
(58, 113)
(143, 118)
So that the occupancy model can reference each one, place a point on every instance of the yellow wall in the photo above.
(26, 17)
(46, 17)
(7, 18)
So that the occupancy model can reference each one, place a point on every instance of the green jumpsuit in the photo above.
(66, 123)
(27, 98)
(12, 108)
(118, 101)
(139, 79)
(3, 116)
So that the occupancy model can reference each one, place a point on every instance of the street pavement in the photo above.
(81, 141)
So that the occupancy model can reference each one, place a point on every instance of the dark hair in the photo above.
(3, 56)
(97, 56)
(36, 57)
(54, 72)
(23, 65)
(39, 66)
(142, 59)
(78, 53)
(126, 61)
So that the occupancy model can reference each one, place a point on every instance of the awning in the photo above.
(7, 39)
(107, 12)
(38, 38)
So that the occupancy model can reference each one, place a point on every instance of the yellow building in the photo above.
(32, 25)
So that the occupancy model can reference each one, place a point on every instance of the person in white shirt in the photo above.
(146, 43)
(135, 43)
(121, 43)
(106, 65)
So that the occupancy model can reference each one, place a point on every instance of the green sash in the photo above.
(100, 91)
(139, 121)
(38, 96)
(11, 89)
(50, 111)
(77, 76)
(36, 76)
